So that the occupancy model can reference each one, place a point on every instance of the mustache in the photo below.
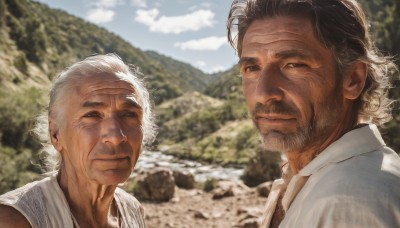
(276, 107)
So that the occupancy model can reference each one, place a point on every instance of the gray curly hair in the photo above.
(342, 27)
(69, 78)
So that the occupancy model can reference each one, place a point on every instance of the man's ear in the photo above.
(54, 135)
(354, 80)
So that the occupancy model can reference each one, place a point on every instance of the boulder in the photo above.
(248, 223)
(157, 185)
(200, 215)
(249, 217)
(184, 179)
(264, 189)
(264, 166)
(229, 188)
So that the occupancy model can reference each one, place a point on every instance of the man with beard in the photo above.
(316, 88)
(99, 115)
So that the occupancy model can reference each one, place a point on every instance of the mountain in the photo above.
(186, 73)
(37, 42)
(226, 84)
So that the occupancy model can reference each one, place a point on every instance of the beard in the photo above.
(308, 133)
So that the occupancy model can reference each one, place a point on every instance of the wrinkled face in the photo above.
(101, 137)
(290, 83)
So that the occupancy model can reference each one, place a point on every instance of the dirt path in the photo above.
(196, 208)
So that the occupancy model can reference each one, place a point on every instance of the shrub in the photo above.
(265, 166)
(210, 184)
(20, 64)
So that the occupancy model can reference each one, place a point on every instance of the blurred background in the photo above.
(188, 65)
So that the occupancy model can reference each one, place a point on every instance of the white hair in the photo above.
(69, 79)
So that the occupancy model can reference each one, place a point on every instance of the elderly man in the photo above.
(99, 114)
(317, 88)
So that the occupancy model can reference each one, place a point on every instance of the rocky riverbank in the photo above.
(196, 208)
(175, 199)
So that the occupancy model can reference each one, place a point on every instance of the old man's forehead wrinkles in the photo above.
(108, 89)
(102, 101)
(93, 104)
(131, 102)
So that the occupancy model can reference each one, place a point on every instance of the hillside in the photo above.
(37, 42)
(186, 73)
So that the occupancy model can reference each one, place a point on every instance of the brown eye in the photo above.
(249, 69)
(129, 114)
(296, 65)
(92, 115)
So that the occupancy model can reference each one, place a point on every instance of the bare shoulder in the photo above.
(10, 217)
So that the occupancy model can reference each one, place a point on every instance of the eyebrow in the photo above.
(96, 104)
(93, 104)
(292, 54)
(247, 60)
(131, 104)
(279, 55)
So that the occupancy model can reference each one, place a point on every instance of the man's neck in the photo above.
(300, 158)
(91, 204)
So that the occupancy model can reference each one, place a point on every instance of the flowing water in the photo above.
(201, 172)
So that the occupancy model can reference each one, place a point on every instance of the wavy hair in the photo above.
(342, 27)
(69, 78)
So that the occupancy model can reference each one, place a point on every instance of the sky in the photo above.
(191, 31)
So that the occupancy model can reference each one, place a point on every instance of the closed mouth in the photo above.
(113, 158)
(274, 117)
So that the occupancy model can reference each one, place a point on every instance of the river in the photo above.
(201, 172)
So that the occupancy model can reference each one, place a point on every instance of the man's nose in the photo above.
(113, 132)
(269, 85)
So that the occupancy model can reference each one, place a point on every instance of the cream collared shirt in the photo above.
(355, 182)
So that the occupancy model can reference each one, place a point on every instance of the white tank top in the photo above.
(44, 205)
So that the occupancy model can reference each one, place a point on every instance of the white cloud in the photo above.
(201, 64)
(211, 43)
(193, 21)
(100, 15)
(204, 5)
(146, 17)
(139, 3)
(106, 3)
(205, 67)
(216, 69)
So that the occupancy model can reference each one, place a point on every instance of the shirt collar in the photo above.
(356, 142)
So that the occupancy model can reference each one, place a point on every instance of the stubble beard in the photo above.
(284, 142)
(307, 135)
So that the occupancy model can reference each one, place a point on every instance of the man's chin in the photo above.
(279, 142)
(113, 177)
(273, 142)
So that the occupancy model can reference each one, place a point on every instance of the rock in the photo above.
(229, 188)
(200, 215)
(248, 217)
(157, 185)
(248, 223)
(264, 189)
(184, 179)
(217, 214)
(220, 193)
(250, 212)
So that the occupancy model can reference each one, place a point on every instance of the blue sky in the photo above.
(191, 31)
